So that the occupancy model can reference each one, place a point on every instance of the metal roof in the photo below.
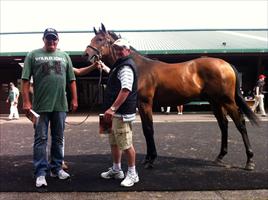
(148, 42)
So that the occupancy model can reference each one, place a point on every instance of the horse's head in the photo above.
(100, 46)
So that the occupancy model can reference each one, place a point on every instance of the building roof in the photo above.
(148, 41)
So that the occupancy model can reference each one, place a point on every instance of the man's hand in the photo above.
(108, 115)
(74, 102)
(102, 66)
(98, 65)
(26, 106)
(257, 96)
(74, 105)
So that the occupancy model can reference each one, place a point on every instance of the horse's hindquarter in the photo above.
(216, 75)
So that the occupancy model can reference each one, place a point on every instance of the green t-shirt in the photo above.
(50, 71)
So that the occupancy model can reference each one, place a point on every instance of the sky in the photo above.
(75, 15)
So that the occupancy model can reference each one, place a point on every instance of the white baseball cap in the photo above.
(122, 43)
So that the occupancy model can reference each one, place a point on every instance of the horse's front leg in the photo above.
(145, 110)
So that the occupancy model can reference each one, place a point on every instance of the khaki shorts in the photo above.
(121, 134)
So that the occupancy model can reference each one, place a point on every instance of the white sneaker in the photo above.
(130, 180)
(40, 181)
(61, 175)
(113, 174)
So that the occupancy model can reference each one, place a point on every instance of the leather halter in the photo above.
(98, 55)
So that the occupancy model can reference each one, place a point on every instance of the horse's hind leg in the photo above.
(223, 124)
(145, 110)
(240, 123)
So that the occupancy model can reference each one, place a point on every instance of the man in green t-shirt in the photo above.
(51, 70)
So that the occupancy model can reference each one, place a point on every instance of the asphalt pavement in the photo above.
(159, 119)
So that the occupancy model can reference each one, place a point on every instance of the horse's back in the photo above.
(202, 66)
(184, 81)
(199, 73)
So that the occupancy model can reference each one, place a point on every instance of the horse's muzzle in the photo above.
(94, 58)
(91, 59)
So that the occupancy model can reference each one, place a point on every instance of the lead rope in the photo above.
(94, 103)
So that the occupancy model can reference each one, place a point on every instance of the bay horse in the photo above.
(179, 83)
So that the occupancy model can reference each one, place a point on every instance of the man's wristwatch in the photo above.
(113, 108)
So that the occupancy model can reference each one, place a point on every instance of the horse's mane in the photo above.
(114, 36)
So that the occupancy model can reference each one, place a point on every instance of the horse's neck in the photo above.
(110, 59)
(140, 59)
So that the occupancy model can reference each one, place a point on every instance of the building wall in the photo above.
(249, 65)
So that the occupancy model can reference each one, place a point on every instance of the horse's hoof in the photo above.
(148, 160)
(219, 162)
(250, 166)
(144, 161)
(149, 165)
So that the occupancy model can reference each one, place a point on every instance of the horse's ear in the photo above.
(103, 28)
(95, 31)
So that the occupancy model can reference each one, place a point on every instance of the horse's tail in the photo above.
(240, 101)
